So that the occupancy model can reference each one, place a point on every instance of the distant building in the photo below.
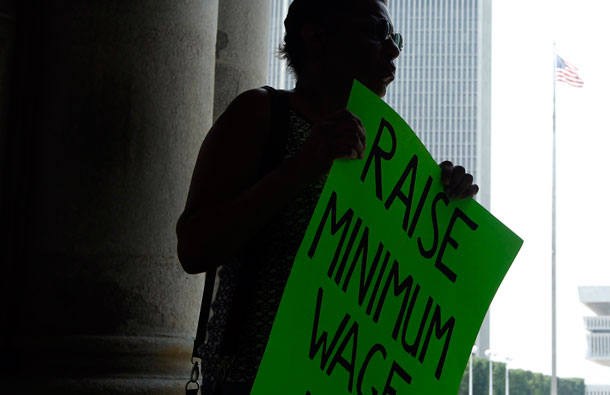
(598, 339)
(597, 390)
(442, 87)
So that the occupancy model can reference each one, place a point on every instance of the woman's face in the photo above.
(362, 50)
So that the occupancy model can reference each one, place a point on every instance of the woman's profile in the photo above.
(262, 167)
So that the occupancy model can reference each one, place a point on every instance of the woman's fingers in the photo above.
(347, 142)
(457, 174)
(446, 169)
(344, 135)
(460, 187)
(470, 192)
(343, 152)
(457, 183)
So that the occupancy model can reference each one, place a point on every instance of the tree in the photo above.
(522, 382)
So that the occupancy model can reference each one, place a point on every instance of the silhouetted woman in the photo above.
(262, 168)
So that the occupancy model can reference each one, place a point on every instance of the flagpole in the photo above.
(553, 249)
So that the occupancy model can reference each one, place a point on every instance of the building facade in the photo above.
(442, 87)
(598, 339)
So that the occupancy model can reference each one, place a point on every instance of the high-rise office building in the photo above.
(443, 79)
(443, 83)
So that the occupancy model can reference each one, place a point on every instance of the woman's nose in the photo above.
(393, 48)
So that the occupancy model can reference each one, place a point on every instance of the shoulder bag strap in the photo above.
(206, 304)
(272, 157)
(193, 385)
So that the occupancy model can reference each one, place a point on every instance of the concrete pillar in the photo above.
(7, 74)
(7, 47)
(122, 103)
(242, 49)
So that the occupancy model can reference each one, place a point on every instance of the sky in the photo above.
(522, 105)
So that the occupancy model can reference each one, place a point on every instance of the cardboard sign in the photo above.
(392, 279)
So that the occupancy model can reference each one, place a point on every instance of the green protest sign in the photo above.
(392, 279)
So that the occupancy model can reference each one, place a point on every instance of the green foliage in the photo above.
(570, 386)
(521, 382)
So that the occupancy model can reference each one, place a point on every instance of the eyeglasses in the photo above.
(382, 30)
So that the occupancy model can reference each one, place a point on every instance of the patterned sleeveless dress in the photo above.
(262, 270)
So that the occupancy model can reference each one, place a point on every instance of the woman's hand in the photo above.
(339, 136)
(458, 184)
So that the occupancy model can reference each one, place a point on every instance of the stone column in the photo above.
(122, 103)
(7, 75)
(242, 49)
(7, 47)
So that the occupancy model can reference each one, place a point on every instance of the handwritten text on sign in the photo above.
(392, 280)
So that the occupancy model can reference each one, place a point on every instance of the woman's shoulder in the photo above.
(263, 97)
(254, 107)
(253, 102)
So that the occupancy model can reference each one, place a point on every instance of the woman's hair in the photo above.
(317, 12)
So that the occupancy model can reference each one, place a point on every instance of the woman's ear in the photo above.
(313, 38)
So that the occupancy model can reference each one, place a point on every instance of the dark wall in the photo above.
(9, 170)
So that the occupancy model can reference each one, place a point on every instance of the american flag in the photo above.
(567, 73)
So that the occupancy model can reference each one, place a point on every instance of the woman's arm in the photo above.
(227, 204)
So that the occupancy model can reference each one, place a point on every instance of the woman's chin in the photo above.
(378, 87)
